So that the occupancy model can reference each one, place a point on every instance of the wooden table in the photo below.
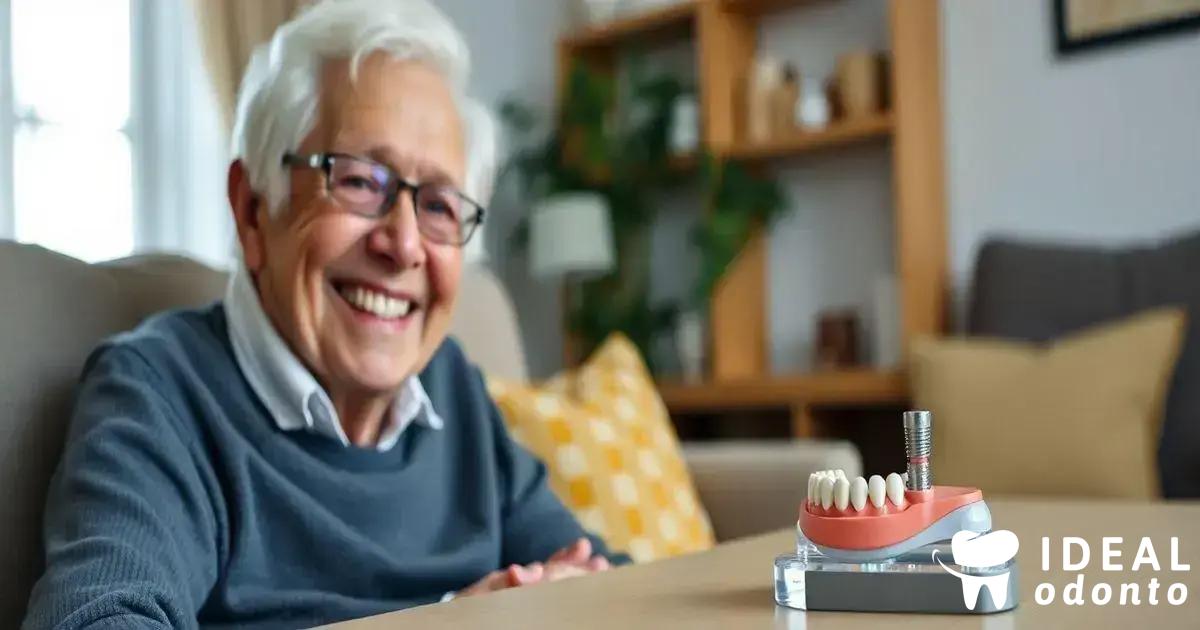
(731, 586)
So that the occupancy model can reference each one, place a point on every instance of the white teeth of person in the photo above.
(895, 489)
(858, 493)
(827, 492)
(377, 304)
(841, 493)
(876, 490)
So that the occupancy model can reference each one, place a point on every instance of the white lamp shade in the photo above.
(571, 234)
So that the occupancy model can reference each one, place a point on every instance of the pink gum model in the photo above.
(873, 528)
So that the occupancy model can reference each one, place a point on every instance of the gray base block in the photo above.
(905, 587)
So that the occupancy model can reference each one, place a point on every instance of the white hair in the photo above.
(278, 100)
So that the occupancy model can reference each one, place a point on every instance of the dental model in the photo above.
(900, 512)
(893, 536)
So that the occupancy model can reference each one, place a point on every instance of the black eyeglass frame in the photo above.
(324, 162)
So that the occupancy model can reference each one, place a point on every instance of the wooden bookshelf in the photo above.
(834, 388)
(726, 34)
(839, 133)
(668, 23)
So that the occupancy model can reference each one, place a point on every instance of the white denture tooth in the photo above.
(895, 489)
(876, 490)
(841, 493)
(839, 474)
(810, 495)
(826, 492)
(858, 493)
(904, 478)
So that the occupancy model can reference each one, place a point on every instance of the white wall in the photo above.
(1102, 147)
(837, 241)
(513, 50)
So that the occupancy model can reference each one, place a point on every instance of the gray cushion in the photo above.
(54, 311)
(1038, 292)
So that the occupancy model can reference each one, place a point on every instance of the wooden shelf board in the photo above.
(659, 24)
(676, 164)
(758, 7)
(682, 163)
(841, 387)
(839, 133)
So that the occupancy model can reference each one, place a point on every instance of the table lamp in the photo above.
(571, 239)
(571, 235)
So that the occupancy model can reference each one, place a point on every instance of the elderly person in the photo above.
(313, 448)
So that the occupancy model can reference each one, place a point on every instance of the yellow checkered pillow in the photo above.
(613, 456)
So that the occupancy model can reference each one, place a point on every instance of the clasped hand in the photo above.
(570, 561)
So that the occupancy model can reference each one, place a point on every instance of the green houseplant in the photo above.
(622, 153)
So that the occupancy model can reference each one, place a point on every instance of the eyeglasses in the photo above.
(444, 214)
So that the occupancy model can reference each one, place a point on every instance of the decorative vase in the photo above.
(813, 110)
(885, 327)
(783, 102)
(685, 125)
(860, 83)
(837, 340)
(761, 87)
(689, 342)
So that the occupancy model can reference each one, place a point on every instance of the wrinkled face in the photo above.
(335, 283)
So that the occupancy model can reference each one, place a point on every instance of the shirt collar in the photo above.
(291, 394)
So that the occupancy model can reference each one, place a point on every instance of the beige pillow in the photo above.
(1078, 417)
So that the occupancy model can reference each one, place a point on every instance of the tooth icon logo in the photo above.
(976, 551)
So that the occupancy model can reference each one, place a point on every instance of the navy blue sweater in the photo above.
(179, 503)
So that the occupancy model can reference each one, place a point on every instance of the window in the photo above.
(72, 184)
(109, 138)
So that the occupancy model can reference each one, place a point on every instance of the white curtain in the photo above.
(230, 30)
(185, 152)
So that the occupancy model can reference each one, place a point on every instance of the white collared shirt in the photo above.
(289, 391)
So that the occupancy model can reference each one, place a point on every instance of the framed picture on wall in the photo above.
(1086, 24)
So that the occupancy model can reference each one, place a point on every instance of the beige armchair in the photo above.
(55, 309)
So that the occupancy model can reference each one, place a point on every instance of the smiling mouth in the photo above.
(372, 302)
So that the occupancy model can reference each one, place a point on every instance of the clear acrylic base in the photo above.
(919, 581)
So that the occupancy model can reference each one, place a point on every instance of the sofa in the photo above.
(1038, 291)
(55, 309)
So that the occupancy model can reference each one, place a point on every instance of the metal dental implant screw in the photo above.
(918, 444)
